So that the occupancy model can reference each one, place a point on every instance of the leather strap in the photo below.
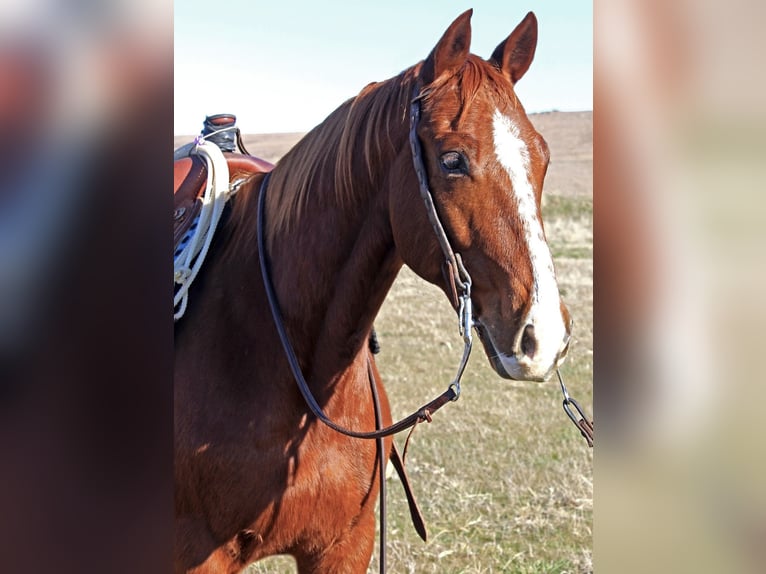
(241, 144)
(458, 278)
(398, 462)
(381, 452)
(417, 517)
(422, 414)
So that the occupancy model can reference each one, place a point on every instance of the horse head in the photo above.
(485, 164)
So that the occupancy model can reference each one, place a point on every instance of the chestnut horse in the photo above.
(256, 473)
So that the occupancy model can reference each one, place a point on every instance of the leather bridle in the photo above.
(457, 275)
(459, 282)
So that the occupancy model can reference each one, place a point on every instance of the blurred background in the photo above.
(86, 117)
(284, 66)
(85, 330)
(679, 272)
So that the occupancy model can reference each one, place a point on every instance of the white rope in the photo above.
(187, 263)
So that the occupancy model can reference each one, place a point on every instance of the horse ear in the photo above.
(449, 55)
(514, 54)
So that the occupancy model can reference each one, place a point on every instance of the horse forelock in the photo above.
(474, 77)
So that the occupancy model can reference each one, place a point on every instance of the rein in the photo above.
(422, 414)
(461, 287)
(459, 282)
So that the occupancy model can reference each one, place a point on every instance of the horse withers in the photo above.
(256, 474)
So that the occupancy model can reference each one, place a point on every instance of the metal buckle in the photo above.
(465, 312)
(466, 315)
(466, 323)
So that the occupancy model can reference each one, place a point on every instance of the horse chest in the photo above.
(333, 479)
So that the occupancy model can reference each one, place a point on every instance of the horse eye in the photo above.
(454, 163)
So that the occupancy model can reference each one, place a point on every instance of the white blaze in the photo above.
(545, 311)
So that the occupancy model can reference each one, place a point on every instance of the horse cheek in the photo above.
(414, 238)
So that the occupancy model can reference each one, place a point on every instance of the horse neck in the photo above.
(333, 268)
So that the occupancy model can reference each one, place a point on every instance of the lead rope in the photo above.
(189, 260)
(421, 414)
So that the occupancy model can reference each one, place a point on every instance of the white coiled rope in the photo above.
(188, 260)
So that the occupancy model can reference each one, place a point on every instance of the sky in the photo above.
(283, 66)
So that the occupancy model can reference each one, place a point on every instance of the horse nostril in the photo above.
(528, 341)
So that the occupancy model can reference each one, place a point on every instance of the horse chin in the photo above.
(497, 365)
(506, 366)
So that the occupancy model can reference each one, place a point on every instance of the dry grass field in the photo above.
(504, 480)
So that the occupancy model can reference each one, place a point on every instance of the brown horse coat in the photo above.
(257, 475)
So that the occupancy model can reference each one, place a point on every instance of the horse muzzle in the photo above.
(530, 359)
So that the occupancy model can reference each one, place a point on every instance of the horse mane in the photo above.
(341, 157)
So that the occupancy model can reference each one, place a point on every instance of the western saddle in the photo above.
(190, 171)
